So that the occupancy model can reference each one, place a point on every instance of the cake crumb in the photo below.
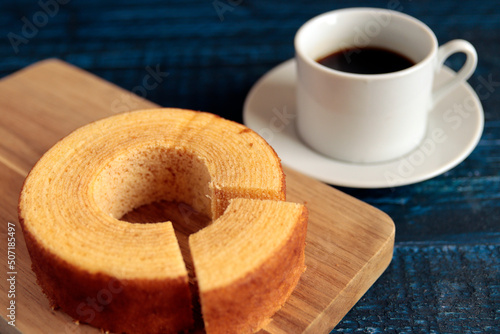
(244, 130)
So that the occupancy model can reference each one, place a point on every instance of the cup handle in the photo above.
(446, 50)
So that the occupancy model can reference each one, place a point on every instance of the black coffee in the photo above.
(367, 60)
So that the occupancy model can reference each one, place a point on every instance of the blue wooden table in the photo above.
(445, 274)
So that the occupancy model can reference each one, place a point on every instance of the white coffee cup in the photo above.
(368, 118)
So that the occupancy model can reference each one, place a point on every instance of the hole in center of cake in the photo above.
(134, 178)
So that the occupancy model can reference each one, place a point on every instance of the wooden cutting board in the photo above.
(349, 243)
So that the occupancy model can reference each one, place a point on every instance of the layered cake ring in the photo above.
(131, 278)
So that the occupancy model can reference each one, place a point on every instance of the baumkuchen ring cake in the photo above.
(131, 278)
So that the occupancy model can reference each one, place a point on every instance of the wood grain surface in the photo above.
(349, 243)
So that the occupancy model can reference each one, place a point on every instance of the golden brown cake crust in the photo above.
(118, 306)
(239, 307)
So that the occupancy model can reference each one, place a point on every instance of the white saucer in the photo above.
(455, 127)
